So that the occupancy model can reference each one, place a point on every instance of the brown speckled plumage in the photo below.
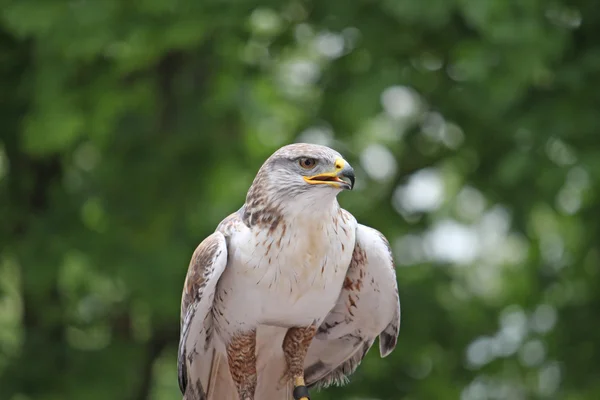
(196, 278)
(241, 355)
(295, 346)
(359, 257)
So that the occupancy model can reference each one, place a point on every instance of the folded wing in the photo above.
(368, 306)
(197, 360)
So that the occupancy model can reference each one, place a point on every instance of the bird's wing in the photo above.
(368, 306)
(197, 357)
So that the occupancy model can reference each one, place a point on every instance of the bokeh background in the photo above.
(129, 129)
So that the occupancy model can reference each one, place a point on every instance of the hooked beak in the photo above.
(342, 177)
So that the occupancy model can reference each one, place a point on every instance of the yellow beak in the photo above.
(341, 177)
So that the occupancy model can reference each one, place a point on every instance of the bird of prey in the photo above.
(289, 292)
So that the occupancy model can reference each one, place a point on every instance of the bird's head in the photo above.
(306, 168)
(301, 173)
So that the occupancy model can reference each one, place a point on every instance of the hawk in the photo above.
(289, 292)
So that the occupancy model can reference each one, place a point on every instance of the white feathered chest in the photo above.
(293, 274)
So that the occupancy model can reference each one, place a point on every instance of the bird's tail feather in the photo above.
(271, 365)
(211, 380)
(268, 387)
(220, 385)
(217, 383)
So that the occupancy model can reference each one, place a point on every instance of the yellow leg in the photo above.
(295, 346)
(300, 386)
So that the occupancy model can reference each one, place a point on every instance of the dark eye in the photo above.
(307, 163)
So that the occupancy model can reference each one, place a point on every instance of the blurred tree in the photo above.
(130, 129)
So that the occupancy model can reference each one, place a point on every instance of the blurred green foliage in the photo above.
(130, 129)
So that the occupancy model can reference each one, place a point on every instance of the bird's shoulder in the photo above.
(232, 224)
(370, 240)
(347, 217)
(207, 262)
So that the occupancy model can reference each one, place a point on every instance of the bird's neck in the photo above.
(271, 215)
(311, 210)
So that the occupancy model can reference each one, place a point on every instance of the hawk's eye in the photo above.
(307, 163)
